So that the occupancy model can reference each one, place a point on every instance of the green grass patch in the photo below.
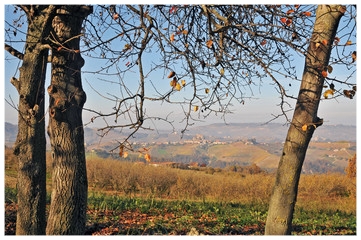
(141, 216)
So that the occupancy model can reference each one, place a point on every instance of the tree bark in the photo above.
(304, 121)
(67, 213)
(30, 146)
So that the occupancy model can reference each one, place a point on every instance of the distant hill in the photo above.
(268, 133)
(220, 145)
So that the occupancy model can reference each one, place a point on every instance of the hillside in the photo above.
(220, 145)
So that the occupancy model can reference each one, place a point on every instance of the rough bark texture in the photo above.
(30, 144)
(67, 213)
(283, 199)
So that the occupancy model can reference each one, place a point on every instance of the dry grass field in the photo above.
(318, 193)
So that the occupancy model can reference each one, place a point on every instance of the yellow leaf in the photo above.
(147, 157)
(178, 87)
(185, 32)
(125, 155)
(349, 42)
(222, 71)
(127, 47)
(183, 82)
(195, 108)
(304, 127)
(172, 37)
(328, 92)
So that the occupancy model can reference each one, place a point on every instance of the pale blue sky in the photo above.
(260, 109)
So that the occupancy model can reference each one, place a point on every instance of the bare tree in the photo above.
(67, 213)
(57, 28)
(30, 143)
(219, 53)
(305, 120)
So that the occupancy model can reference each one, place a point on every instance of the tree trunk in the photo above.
(304, 122)
(30, 144)
(67, 213)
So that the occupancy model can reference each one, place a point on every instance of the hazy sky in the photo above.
(260, 109)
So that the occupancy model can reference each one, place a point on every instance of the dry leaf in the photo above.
(288, 22)
(283, 20)
(171, 74)
(328, 92)
(329, 69)
(290, 11)
(336, 41)
(209, 43)
(353, 55)
(349, 93)
(147, 157)
(222, 71)
(263, 42)
(308, 14)
(178, 87)
(349, 42)
(324, 73)
(195, 108)
(121, 149)
(206, 90)
(172, 37)
(173, 83)
(183, 82)
(115, 16)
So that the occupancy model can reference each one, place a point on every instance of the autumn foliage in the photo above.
(351, 167)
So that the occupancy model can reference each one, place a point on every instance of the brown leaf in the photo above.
(172, 37)
(353, 55)
(171, 74)
(290, 11)
(209, 43)
(121, 151)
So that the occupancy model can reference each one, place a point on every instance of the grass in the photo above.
(138, 199)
